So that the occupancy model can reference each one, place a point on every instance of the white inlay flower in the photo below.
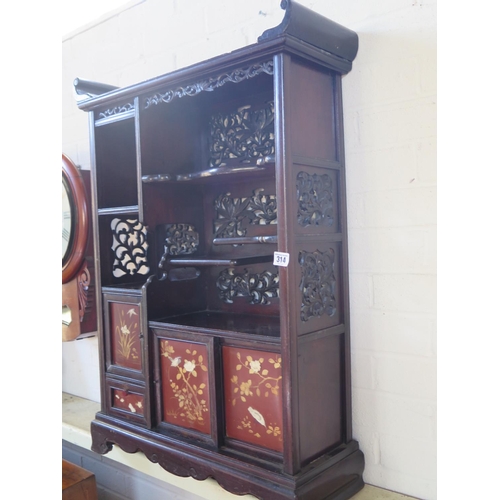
(132, 409)
(254, 366)
(257, 415)
(189, 366)
(131, 312)
(125, 330)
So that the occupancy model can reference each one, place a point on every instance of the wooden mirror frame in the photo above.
(76, 254)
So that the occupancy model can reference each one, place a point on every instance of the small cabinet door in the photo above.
(123, 329)
(253, 397)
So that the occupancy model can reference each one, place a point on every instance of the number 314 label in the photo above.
(281, 259)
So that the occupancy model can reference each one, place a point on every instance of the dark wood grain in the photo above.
(221, 165)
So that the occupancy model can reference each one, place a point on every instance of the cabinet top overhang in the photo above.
(302, 32)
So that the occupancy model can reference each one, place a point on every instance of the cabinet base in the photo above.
(335, 476)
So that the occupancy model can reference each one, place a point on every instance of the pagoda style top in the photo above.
(302, 32)
(308, 26)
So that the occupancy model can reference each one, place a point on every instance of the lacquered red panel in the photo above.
(125, 332)
(185, 384)
(253, 397)
(134, 403)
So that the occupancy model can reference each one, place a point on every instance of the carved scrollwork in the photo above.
(130, 248)
(181, 239)
(210, 84)
(83, 285)
(317, 284)
(230, 214)
(315, 199)
(116, 110)
(260, 287)
(260, 209)
(246, 135)
(177, 239)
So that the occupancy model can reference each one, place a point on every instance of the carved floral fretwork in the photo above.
(246, 134)
(130, 248)
(181, 239)
(317, 284)
(210, 84)
(178, 239)
(259, 287)
(259, 209)
(315, 199)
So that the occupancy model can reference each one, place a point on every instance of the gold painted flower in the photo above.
(167, 349)
(245, 388)
(275, 431)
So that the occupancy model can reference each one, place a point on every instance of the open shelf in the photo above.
(223, 323)
(214, 261)
(210, 174)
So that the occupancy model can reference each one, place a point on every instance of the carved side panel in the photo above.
(185, 384)
(129, 247)
(253, 397)
(244, 135)
(315, 199)
(317, 284)
(258, 287)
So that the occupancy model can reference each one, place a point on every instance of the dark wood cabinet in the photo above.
(220, 236)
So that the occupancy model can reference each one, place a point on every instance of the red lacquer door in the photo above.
(253, 396)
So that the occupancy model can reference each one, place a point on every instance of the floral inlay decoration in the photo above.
(253, 397)
(134, 403)
(185, 385)
(125, 335)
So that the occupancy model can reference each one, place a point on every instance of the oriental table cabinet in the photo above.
(219, 214)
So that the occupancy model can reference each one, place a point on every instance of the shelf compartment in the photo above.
(116, 164)
(132, 209)
(209, 174)
(223, 323)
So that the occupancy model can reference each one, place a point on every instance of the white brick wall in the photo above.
(390, 121)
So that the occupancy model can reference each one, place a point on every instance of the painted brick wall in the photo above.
(390, 121)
